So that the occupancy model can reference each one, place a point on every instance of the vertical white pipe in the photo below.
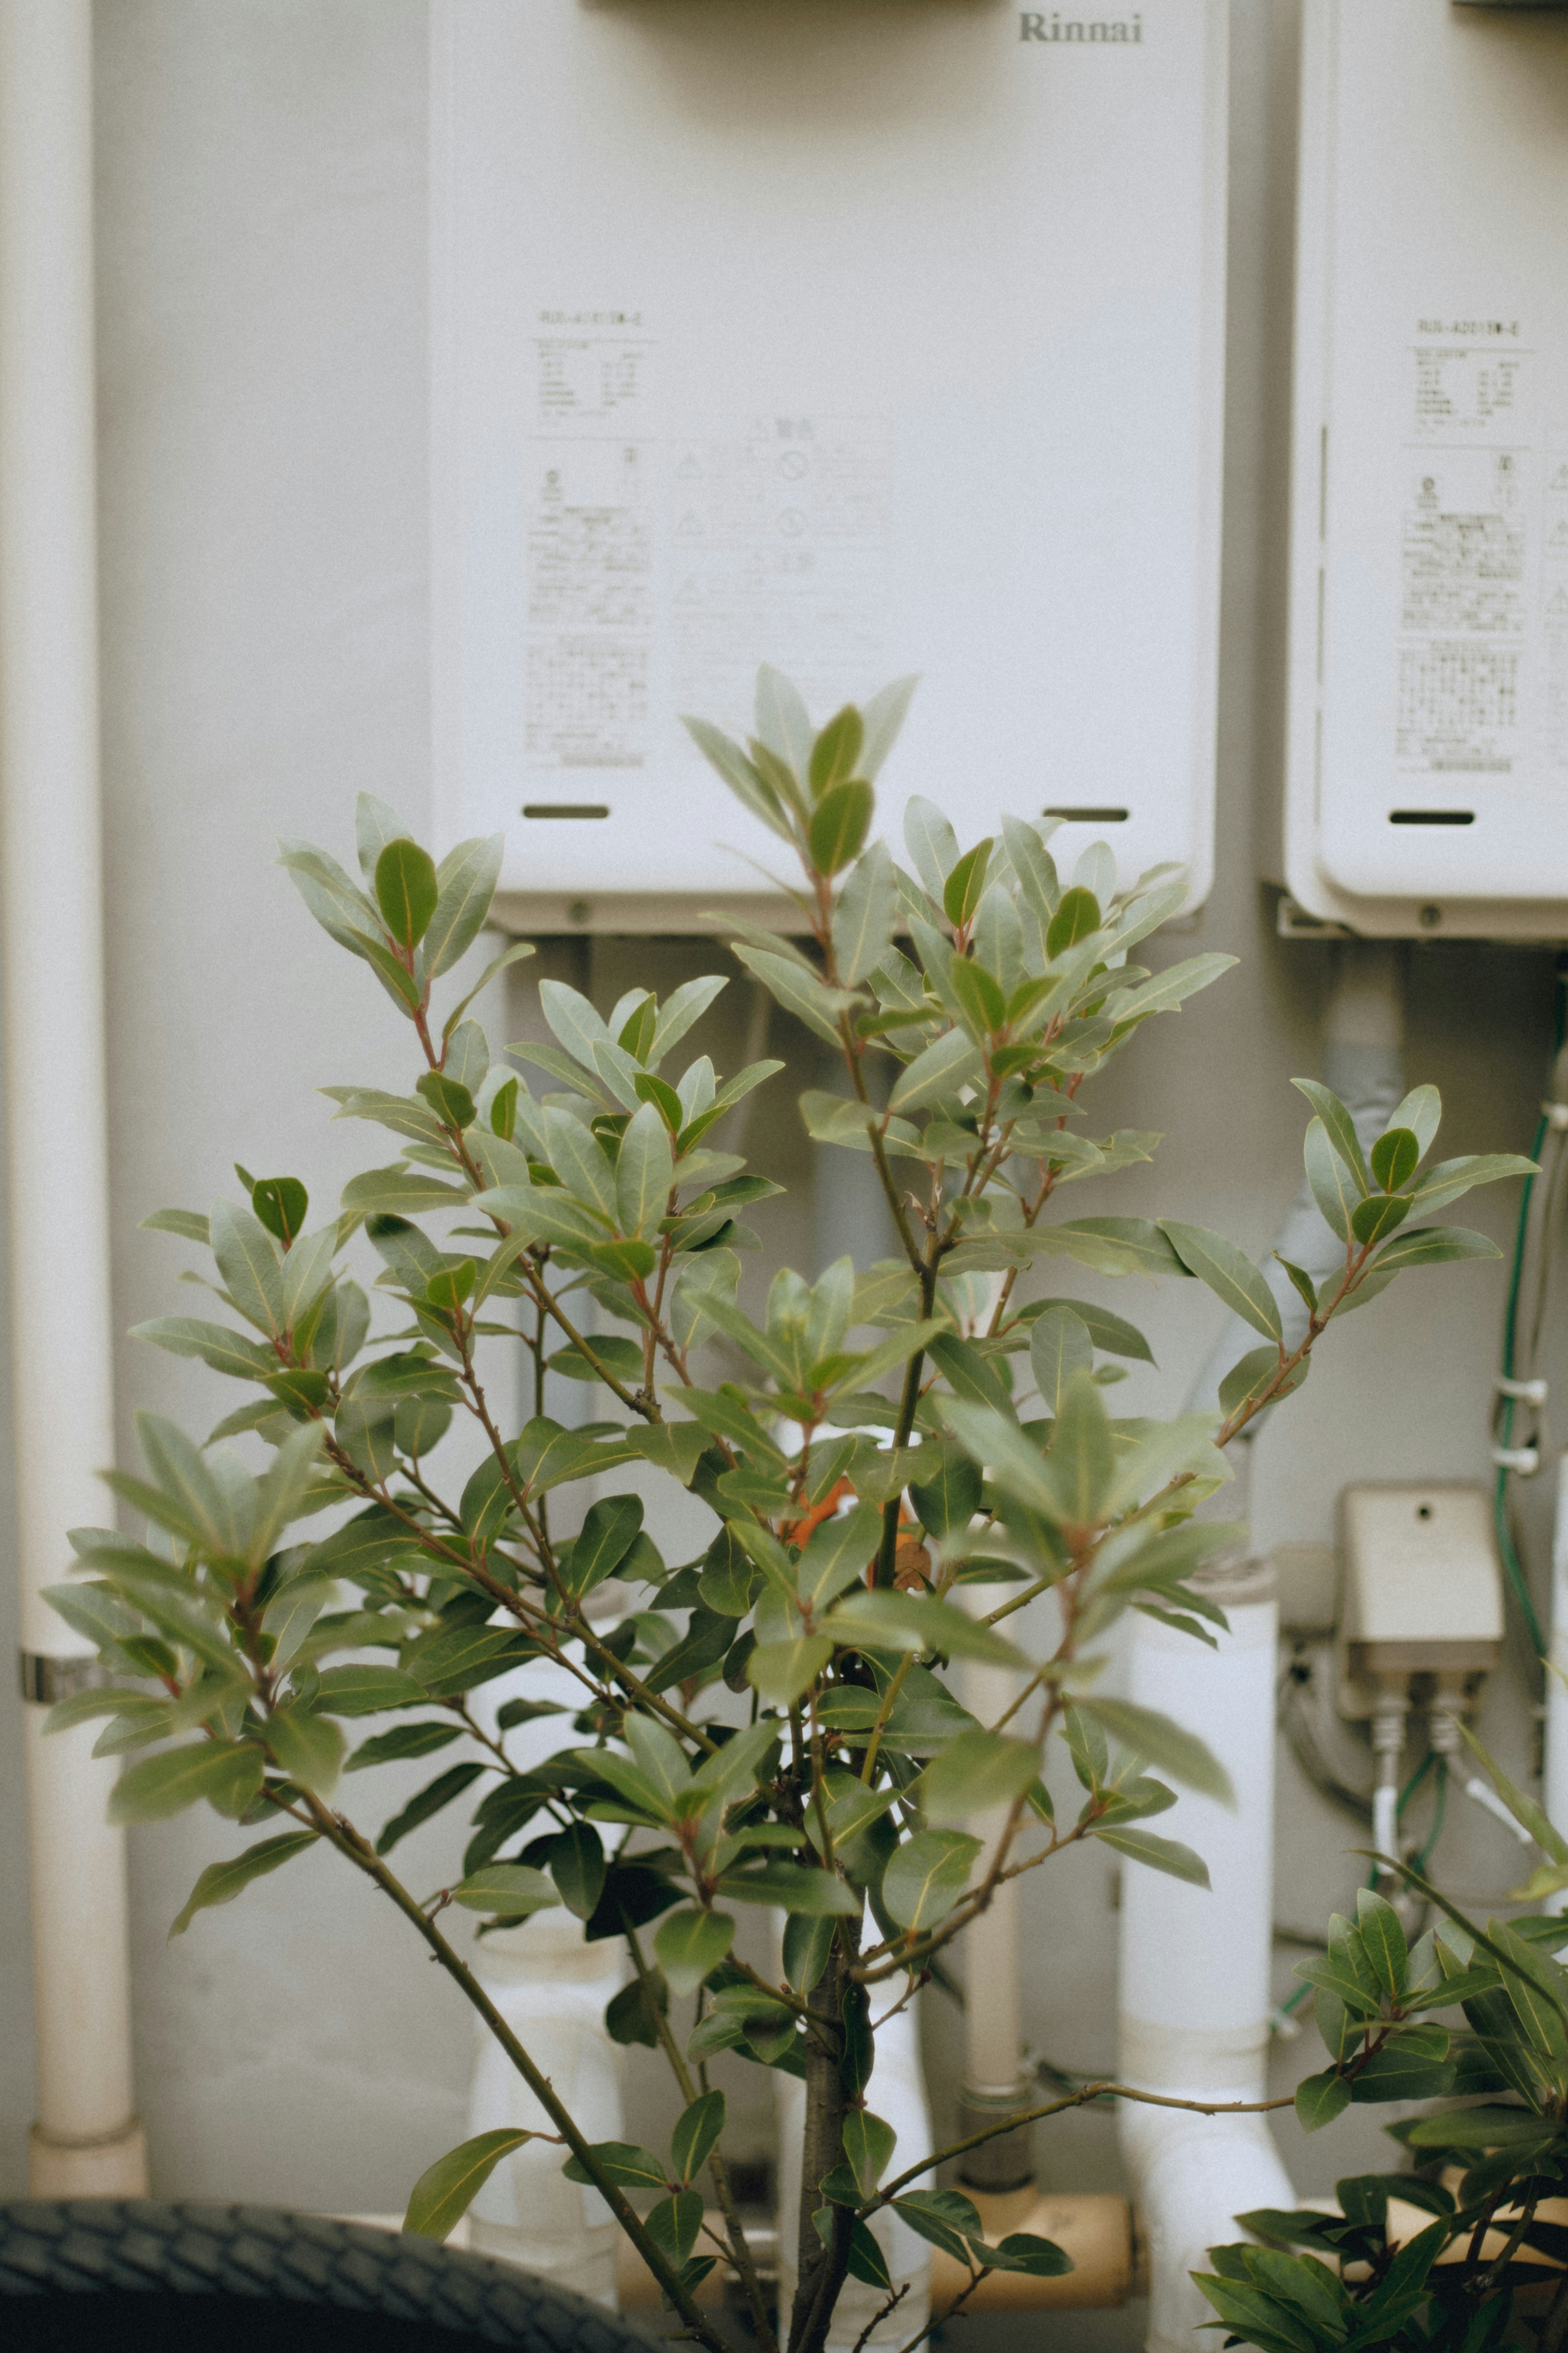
(85, 2138)
(1554, 1788)
(993, 2026)
(1195, 1962)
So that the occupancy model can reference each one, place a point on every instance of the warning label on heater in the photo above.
(1466, 590)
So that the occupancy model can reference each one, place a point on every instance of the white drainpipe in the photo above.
(1194, 1965)
(86, 2140)
(1555, 1786)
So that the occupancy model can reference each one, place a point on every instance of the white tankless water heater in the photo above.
(861, 337)
(1427, 785)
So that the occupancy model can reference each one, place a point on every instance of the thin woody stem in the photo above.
(340, 1834)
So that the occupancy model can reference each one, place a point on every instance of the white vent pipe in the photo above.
(1195, 1966)
(1555, 1778)
(551, 1985)
(86, 2139)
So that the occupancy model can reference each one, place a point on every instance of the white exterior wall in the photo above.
(265, 595)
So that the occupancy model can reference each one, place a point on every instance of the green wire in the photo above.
(1513, 1568)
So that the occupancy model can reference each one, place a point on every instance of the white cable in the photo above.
(1484, 1795)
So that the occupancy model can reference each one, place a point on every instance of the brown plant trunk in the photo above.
(820, 2270)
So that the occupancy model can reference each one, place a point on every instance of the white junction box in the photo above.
(861, 337)
(1427, 768)
(1422, 1588)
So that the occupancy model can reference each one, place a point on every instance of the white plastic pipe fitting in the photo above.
(1196, 1964)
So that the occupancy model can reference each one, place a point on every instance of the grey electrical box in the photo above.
(1423, 1588)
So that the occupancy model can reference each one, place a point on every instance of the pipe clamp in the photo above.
(46, 1679)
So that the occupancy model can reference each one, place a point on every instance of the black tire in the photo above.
(111, 2276)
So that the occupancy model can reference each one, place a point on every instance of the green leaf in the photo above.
(932, 843)
(367, 1690)
(782, 1671)
(1059, 1348)
(621, 2161)
(926, 1876)
(445, 2191)
(224, 1350)
(945, 2218)
(309, 1748)
(280, 1203)
(975, 1772)
(690, 1944)
(645, 1171)
(406, 891)
(447, 1663)
(1321, 2098)
(867, 2263)
(799, 992)
(1228, 1272)
(1159, 1740)
(1450, 1179)
(220, 1882)
(1340, 1128)
(951, 1498)
(749, 786)
(1024, 2251)
(966, 884)
(864, 915)
(402, 1740)
(1382, 1940)
(979, 997)
(1169, 1855)
(1078, 915)
(1432, 1246)
(1481, 2129)
(793, 1887)
(575, 1860)
(428, 1802)
(1333, 1188)
(247, 1259)
(673, 2225)
(400, 1193)
(835, 1555)
(1395, 1158)
(869, 2143)
(227, 1773)
(835, 750)
(510, 1889)
(633, 2014)
(1378, 1216)
(609, 1531)
(696, 2135)
(839, 824)
(889, 1621)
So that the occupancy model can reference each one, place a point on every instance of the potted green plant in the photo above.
(869, 1443)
